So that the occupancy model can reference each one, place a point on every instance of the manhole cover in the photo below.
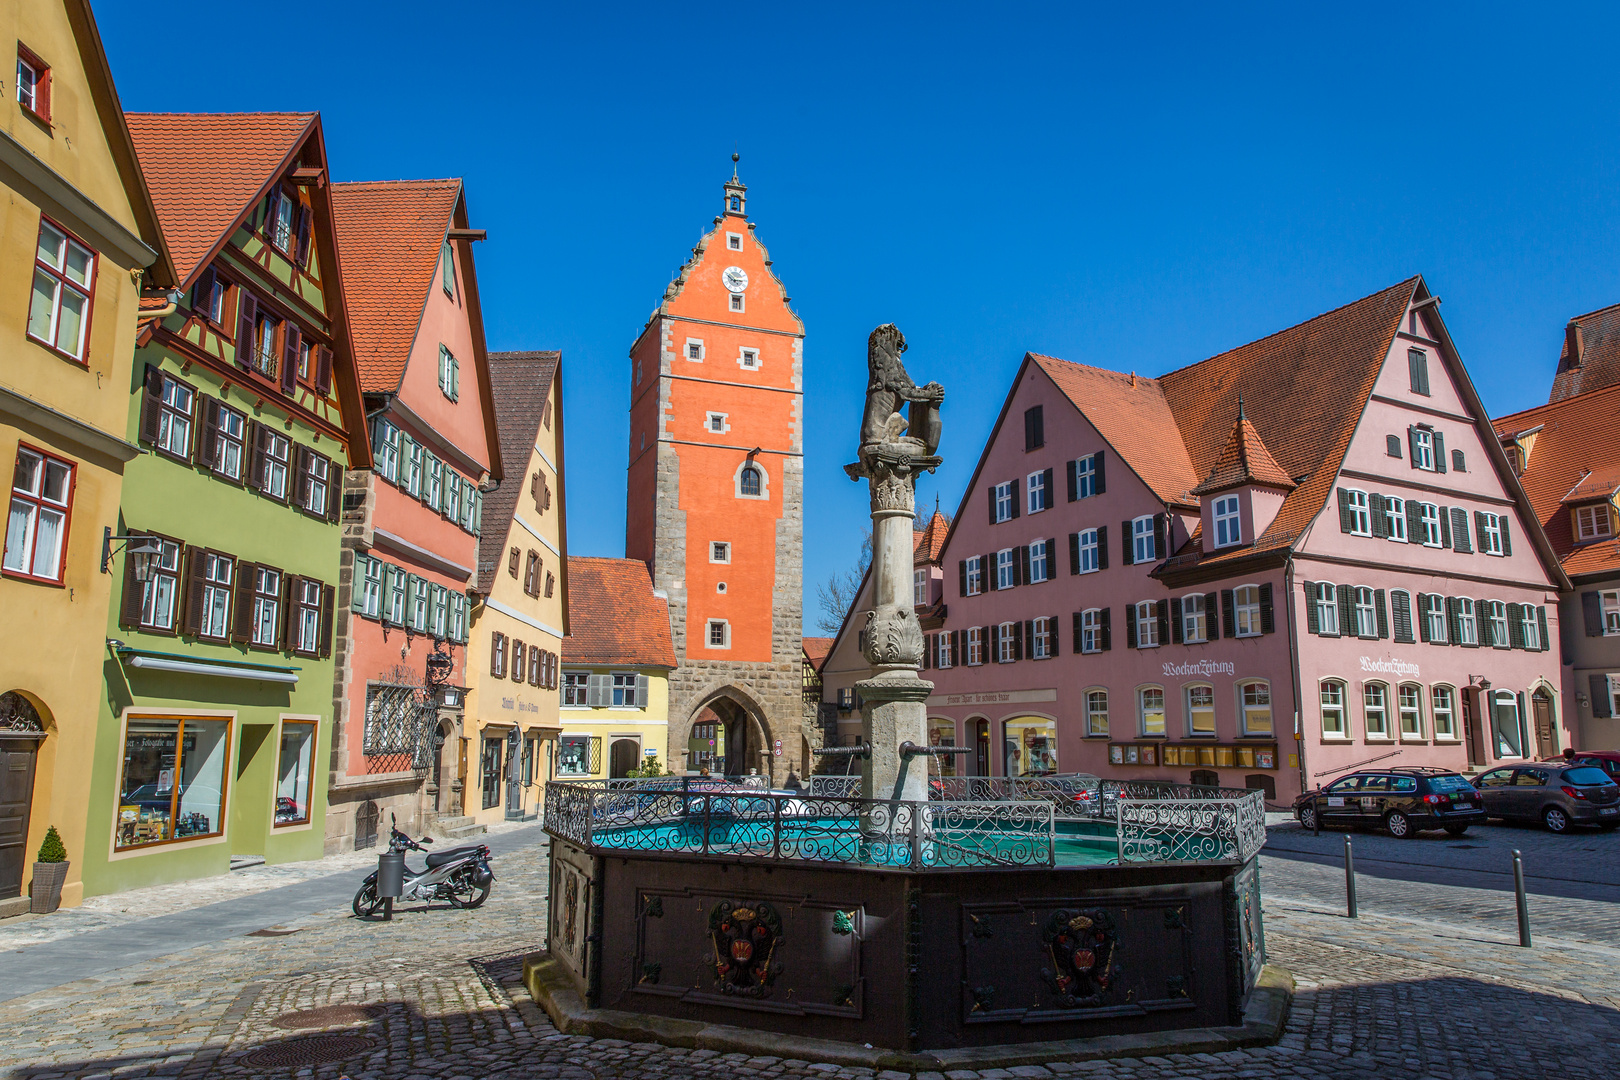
(307, 1050)
(328, 1016)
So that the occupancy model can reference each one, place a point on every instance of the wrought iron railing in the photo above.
(1179, 830)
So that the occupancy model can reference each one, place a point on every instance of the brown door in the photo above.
(1541, 708)
(16, 795)
(1471, 735)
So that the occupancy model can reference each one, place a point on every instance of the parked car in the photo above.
(1556, 795)
(1404, 801)
(1607, 760)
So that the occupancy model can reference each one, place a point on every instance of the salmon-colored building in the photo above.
(715, 493)
(411, 523)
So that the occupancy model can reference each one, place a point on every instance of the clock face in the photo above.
(735, 278)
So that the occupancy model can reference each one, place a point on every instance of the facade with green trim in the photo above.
(216, 724)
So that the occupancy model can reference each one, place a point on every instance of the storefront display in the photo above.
(943, 733)
(173, 784)
(294, 776)
(1031, 747)
(1219, 755)
(579, 755)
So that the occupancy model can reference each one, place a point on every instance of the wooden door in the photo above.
(1541, 709)
(1471, 733)
(17, 757)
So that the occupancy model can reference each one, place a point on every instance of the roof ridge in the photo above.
(192, 115)
(1585, 395)
(402, 180)
(1589, 314)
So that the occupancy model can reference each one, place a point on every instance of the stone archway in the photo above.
(749, 748)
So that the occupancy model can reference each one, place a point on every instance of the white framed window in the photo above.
(975, 646)
(751, 482)
(1423, 449)
(64, 278)
(160, 594)
(386, 459)
(1375, 710)
(734, 241)
(1150, 710)
(1088, 551)
(1433, 607)
(1332, 699)
(436, 472)
(1194, 619)
(1143, 547)
(1041, 646)
(1256, 698)
(919, 587)
(576, 689)
(37, 524)
(306, 623)
(737, 302)
(1246, 609)
(420, 594)
(975, 575)
(1004, 501)
(1395, 518)
(1529, 627)
(694, 349)
(1365, 611)
(1040, 561)
(1496, 614)
(1097, 713)
(748, 357)
(624, 690)
(718, 423)
(214, 618)
(1004, 568)
(1005, 642)
(720, 551)
(1409, 703)
(33, 84)
(1593, 522)
(1430, 514)
(396, 586)
(1228, 527)
(412, 480)
(1441, 708)
(1327, 608)
(1360, 517)
(177, 406)
(449, 373)
(439, 611)
(719, 635)
(1038, 497)
(267, 606)
(1609, 602)
(1490, 534)
(1085, 476)
(371, 586)
(317, 469)
(1147, 624)
(1467, 627)
(1200, 709)
(1091, 629)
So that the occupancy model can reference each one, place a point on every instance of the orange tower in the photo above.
(716, 494)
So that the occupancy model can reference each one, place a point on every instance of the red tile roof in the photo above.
(206, 170)
(1244, 461)
(1575, 448)
(817, 648)
(389, 237)
(929, 541)
(614, 616)
(1590, 359)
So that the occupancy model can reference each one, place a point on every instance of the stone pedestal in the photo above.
(894, 710)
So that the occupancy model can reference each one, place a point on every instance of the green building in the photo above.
(215, 729)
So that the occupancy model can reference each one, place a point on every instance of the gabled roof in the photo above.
(929, 541)
(1590, 359)
(207, 170)
(1244, 461)
(816, 649)
(522, 381)
(390, 234)
(1575, 451)
(616, 617)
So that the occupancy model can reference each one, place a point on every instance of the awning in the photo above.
(184, 665)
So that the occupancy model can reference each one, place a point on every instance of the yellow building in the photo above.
(80, 238)
(615, 677)
(509, 726)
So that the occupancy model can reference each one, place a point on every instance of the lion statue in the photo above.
(889, 387)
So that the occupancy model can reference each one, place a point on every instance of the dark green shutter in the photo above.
(1130, 626)
(1313, 624)
(1382, 611)
(1346, 518)
(1541, 625)
(1212, 622)
(1378, 515)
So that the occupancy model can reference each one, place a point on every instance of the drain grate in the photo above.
(307, 1050)
(328, 1016)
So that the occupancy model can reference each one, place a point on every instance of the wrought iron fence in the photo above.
(1169, 829)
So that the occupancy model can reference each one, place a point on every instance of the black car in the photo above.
(1553, 794)
(1403, 800)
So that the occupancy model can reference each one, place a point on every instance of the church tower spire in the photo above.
(736, 192)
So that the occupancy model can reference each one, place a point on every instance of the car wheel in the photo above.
(1399, 825)
(1456, 830)
(1307, 817)
(1555, 819)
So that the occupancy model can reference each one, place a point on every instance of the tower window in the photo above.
(748, 358)
(694, 349)
(750, 482)
(719, 634)
(720, 552)
(734, 241)
(717, 422)
(720, 587)
(736, 301)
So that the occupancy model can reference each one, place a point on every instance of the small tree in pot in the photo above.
(45, 894)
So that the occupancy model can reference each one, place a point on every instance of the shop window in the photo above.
(579, 755)
(64, 278)
(1097, 712)
(295, 776)
(942, 732)
(1031, 747)
(1257, 708)
(1333, 726)
(37, 525)
(1375, 710)
(172, 785)
(1200, 710)
(490, 763)
(1150, 710)
(1410, 702)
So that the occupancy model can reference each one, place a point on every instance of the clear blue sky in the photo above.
(1132, 191)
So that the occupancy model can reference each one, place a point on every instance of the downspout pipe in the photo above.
(1293, 664)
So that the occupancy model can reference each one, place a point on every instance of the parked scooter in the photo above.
(459, 875)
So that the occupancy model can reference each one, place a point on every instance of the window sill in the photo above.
(1343, 739)
(62, 353)
(1414, 740)
(1381, 740)
(18, 575)
(1447, 739)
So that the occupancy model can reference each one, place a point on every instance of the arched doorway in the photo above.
(748, 749)
(981, 747)
(623, 756)
(21, 730)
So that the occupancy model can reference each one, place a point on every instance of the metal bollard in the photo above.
(1349, 878)
(1523, 904)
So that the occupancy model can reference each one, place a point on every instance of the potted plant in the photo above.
(45, 894)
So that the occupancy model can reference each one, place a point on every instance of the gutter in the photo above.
(1293, 663)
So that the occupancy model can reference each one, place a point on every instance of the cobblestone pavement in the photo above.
(1380, 996)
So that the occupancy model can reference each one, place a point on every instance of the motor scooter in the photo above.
(459, 875)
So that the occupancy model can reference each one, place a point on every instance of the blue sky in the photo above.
(1136, 191)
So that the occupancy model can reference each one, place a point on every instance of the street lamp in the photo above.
(144, 550)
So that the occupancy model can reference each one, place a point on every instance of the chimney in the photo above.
(1133, 380)
(1574, 344)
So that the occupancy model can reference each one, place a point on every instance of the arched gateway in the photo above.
(735, 731)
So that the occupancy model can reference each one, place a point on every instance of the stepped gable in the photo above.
(207, 170)
(521, 383)
(1244, 461)
(614, 618)
(1590, 359)
(1569, 463)
(390, 234)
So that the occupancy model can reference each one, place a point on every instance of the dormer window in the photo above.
(1594, 522)
(1228, 529)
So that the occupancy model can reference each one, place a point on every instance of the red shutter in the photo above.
(328, 595)
(247, 316)
(291, 341)
(323, 369)
(247, 576)
(208, 433)
(151, 405)
(303, 235)
(195, 563)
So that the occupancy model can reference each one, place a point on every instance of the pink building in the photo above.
(1261, 570)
